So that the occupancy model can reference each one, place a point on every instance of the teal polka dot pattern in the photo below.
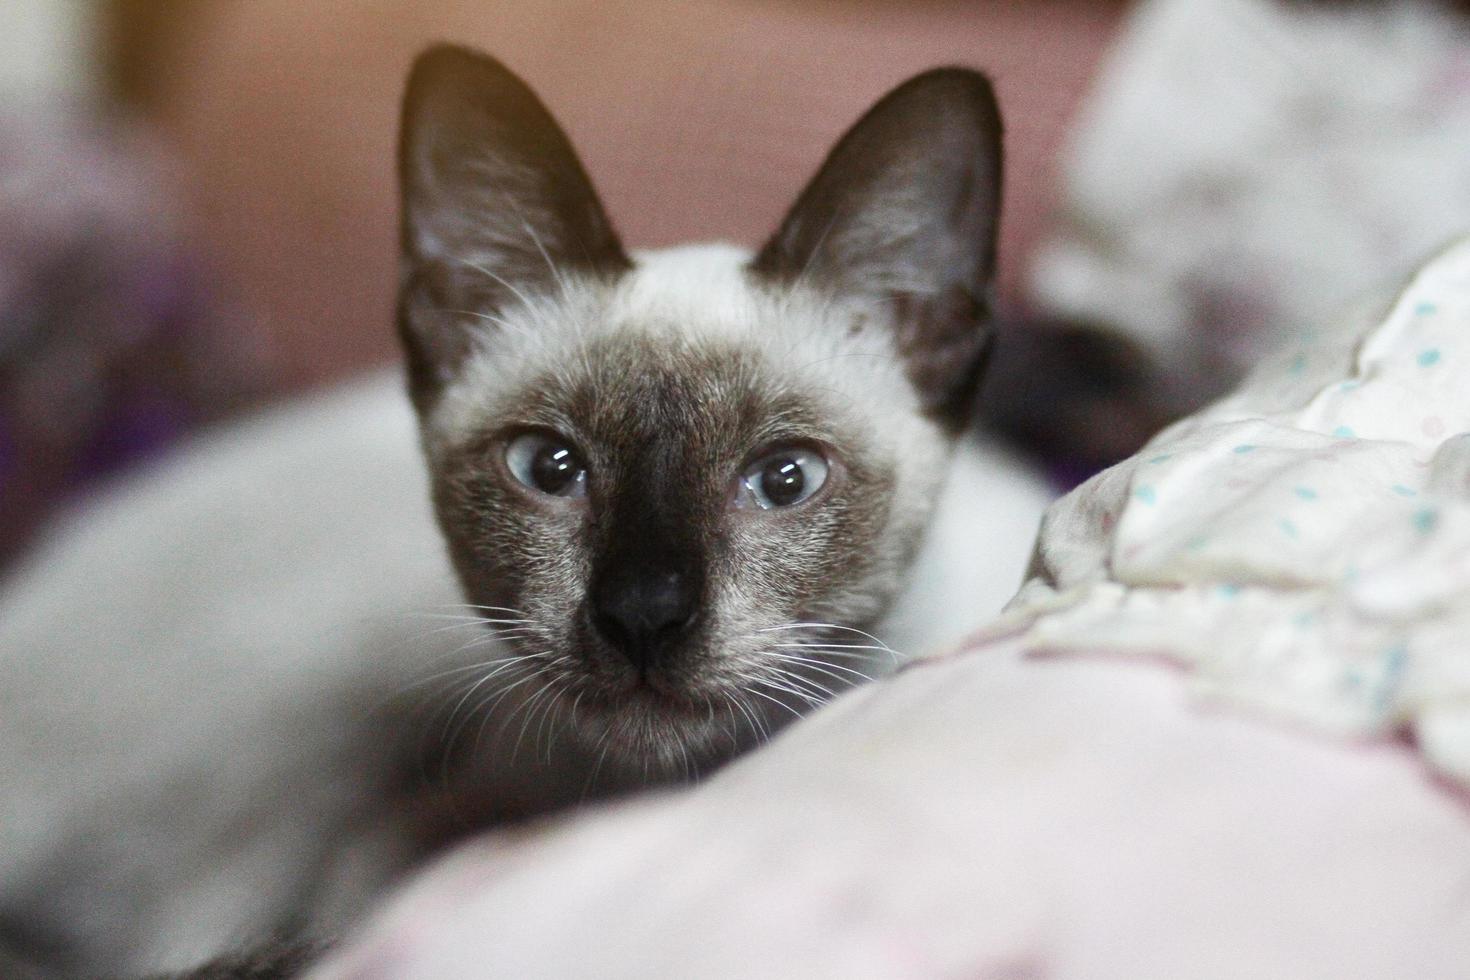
(1302, 543)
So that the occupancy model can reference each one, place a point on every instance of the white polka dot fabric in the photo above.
(1304, 545)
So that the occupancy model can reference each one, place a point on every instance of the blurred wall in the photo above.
(698, 119)
(46, 48)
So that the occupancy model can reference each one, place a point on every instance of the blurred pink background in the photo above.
(698, 120)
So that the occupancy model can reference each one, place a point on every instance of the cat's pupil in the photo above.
(553, 468)
(782, 481)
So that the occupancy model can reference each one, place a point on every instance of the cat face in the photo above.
(687, 483)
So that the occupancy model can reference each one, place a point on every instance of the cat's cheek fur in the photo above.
(516, 561)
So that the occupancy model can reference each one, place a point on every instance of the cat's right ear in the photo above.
(495, 207)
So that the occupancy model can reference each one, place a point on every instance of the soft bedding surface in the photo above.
(989, 817)
(1304, 545)
(1002, 813)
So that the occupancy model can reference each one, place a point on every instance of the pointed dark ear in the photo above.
(495, 206)
(904, 211)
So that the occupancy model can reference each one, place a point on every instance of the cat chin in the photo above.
(669, 735)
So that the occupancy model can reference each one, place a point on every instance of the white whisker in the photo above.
(525, 301)
(856, 676)
(779, 704)
(487, 708)
(529, 706)
(789, 684)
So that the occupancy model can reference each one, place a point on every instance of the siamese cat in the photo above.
(687, 496)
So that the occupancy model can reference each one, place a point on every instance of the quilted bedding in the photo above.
(1303, 545)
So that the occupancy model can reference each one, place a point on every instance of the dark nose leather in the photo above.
(643, 613)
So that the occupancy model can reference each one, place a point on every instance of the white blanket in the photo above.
(1303, 545)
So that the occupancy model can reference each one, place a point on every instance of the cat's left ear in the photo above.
(904, 212)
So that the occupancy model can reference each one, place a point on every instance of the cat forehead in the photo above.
(694, 315)
(706, 293)
(706, 284)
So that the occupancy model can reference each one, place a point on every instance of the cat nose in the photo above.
(640, 614)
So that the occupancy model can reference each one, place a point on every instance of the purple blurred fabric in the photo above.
(109, 350)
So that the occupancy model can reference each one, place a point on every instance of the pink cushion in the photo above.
(985, 816)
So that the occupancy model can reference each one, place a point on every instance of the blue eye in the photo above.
(547, 464)
(781, 479)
